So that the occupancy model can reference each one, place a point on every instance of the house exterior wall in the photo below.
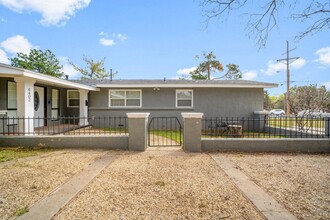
(64, 110)
(213, 102)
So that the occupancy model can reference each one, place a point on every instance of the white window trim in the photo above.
(68, 99)
(192, 98)
(125, 90)
(55, 117)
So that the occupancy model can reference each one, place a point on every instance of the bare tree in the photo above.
(308, 102)
(266, 15)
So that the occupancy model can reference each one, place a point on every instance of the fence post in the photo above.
(192, 131)
(259, 120)
(327, 127)
(137, 131)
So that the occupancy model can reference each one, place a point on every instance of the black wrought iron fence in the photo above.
(15, 126)
(266, 127)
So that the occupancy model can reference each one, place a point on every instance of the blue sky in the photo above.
(152, 39)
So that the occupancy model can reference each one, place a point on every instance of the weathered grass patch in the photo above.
(16, 153)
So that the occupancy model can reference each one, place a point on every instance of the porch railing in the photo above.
(266, 127)
(16, 126)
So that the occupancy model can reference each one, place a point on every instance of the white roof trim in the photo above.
(10, 71)
(185, 86)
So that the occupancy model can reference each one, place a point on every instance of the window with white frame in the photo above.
(11, 96)
(73, 98)
(55, 104)
(11, 102)
(125, 98)
(184, 98)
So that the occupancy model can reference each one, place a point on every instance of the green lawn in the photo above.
(15, 153)
(246, 134)
(292, 122)
(171, 134)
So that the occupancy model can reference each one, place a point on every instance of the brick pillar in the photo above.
(137, 131)
(192, 131)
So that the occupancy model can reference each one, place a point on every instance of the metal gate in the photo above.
(165, 131)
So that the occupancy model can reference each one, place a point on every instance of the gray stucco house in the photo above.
(226, 98)
(29, 94)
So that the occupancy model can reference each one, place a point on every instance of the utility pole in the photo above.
(287, 61)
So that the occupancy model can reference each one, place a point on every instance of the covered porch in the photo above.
(33, 102)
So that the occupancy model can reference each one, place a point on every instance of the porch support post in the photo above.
(137, 131)
(83, 107)
(192, 131)
(25, 104)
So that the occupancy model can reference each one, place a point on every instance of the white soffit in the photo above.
(10, 71)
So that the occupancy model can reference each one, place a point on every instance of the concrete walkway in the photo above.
(267, 205)
(47, 207)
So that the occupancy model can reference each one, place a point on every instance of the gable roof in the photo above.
(151, 83)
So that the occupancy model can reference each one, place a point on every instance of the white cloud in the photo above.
(3, 57)
(327, 84)
(324, 56)
(185, 71)
(298, 63)
(121, 37)
(106, 42)
(54, 12)
(68, 68)
(250, 75)
(103, 34)
(17, 44)
(274, 67)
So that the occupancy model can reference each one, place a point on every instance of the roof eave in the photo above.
(11, 71)
(185, 86)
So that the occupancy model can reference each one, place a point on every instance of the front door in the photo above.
(39, 113)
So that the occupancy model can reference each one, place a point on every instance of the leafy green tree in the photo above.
(267, 101)
(93, 70)
(204, 69)
(212, 65)
(40, 61)
(233, 72)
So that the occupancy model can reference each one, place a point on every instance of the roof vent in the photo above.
(67, 77)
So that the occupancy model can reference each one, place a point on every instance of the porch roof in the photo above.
(10, 71)
(151, 83)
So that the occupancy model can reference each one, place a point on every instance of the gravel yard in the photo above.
(160, 185)
(167, 184)
(300, 182)
(25, 181)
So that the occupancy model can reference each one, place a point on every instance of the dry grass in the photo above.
(300, 182)
(23, 182)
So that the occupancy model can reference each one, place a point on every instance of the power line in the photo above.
(288, 60)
